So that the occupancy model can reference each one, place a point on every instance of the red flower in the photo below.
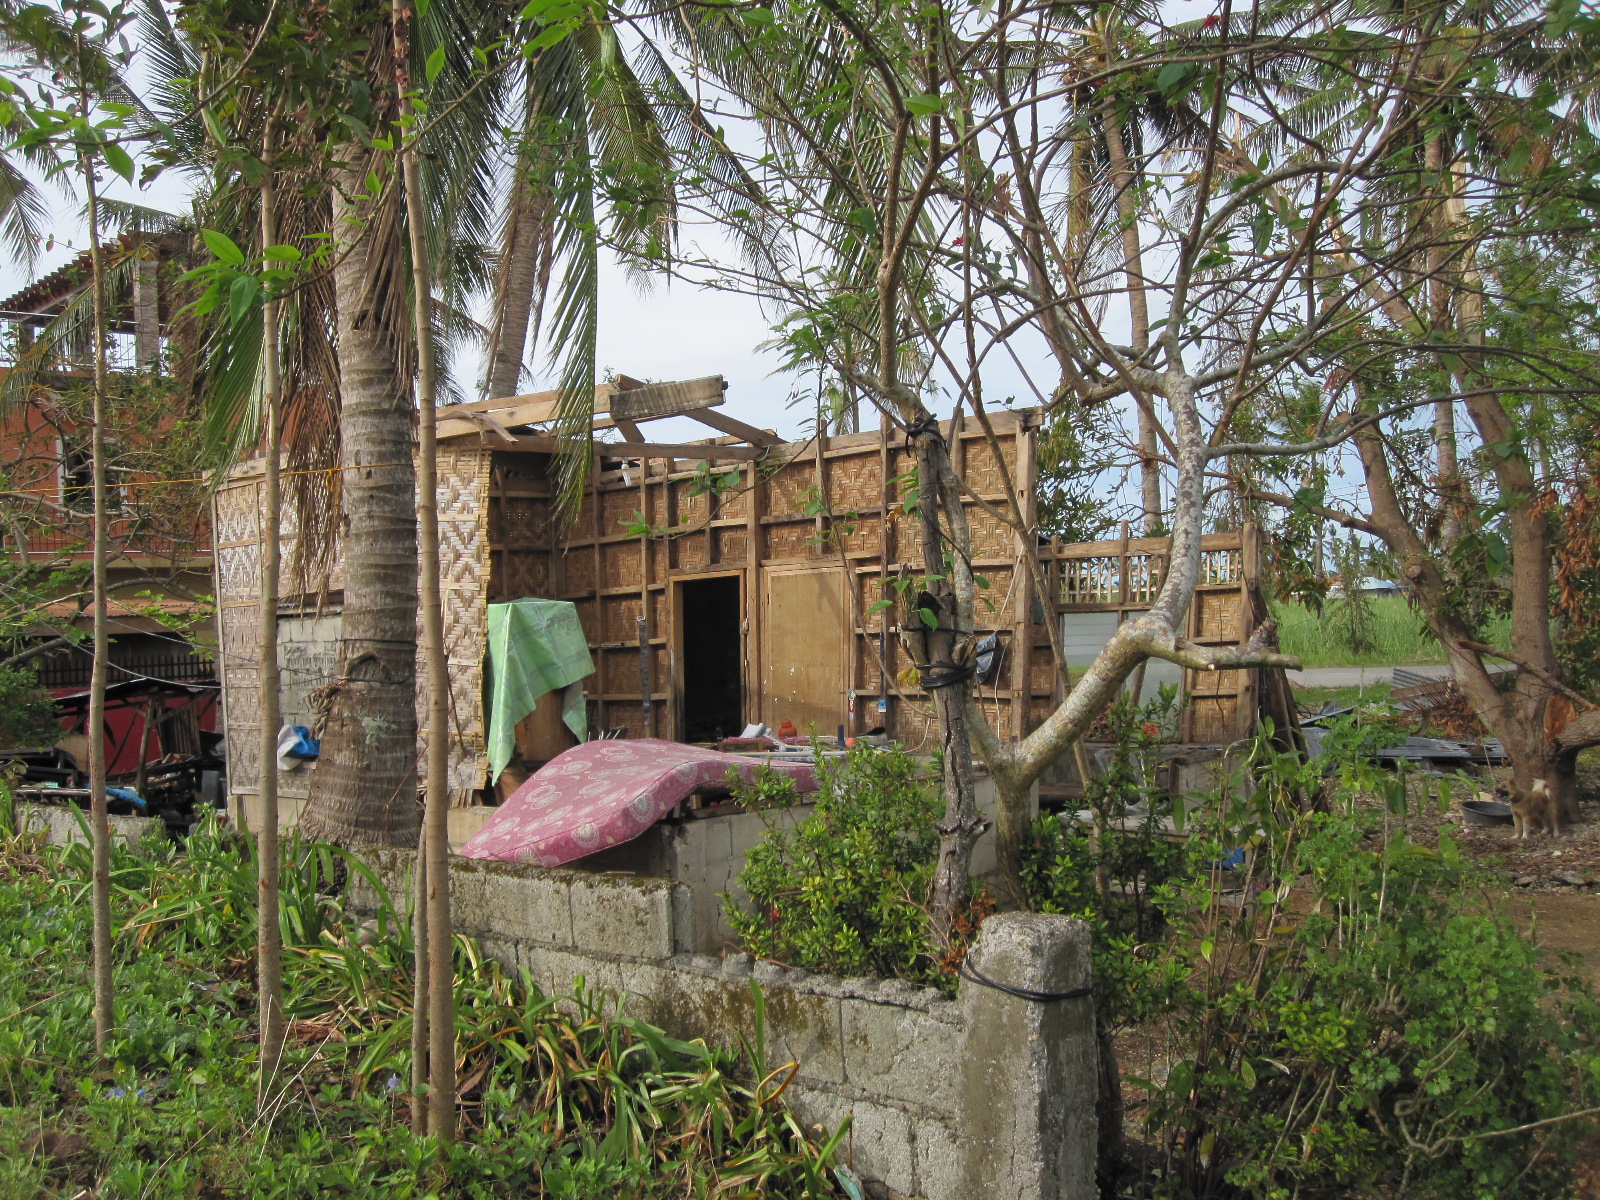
(1149, 729)
(1211, 22)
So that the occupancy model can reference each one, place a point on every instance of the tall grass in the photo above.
(1399, 636)
(561, 1096)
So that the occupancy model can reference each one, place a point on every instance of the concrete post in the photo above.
(1028, 1066)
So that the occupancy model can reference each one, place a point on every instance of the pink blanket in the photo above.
(600, 794)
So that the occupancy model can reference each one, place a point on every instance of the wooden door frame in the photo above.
(675, 655)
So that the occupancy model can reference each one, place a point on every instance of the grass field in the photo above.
(1399, 637)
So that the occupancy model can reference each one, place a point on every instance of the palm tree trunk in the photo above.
(364, 791)
(99, 816)
(269, 935)
(1139, 313)
(436, 830)
(524, 268)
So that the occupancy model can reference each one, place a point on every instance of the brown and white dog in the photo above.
(1533, 808)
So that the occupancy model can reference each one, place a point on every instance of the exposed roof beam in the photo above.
(740, 430)
(649, 402)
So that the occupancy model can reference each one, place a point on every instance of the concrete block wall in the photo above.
(984, 1096)
(61, 828)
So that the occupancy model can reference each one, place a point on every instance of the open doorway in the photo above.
(713, 696)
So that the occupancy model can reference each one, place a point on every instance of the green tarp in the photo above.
(535, 647)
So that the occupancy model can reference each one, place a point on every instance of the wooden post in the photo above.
(751, 640)
(646, 650)
(1249, 677)
(144, 747)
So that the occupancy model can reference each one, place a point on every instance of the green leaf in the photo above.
(1176, 77)
(435, 64)
(241, 296)
(282, 254)
(924, 105)
(929, 617)
(119, 160)
(1247, 1073)
(221, 245)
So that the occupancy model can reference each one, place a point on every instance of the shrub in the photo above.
(844, 892)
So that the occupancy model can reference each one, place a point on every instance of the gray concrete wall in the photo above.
(982, 1097)
(706, 852)
(60, 824)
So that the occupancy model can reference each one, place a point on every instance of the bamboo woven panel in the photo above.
(578, 568)
(981, 470)
(1215, 718)
(792, 539)
(617, 510)
(734, 505)
(464, 573)
(788, 490)
(692, 510)
(619, 565)
(463, 498)
(855, 481)
(620, 623)
(1219, 615)
(689, 552)
(732, 546)
(864, 538)
(588, 617)
(991, 537)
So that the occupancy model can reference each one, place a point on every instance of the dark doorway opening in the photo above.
(713, 698)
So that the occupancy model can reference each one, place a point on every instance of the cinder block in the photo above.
(879, 1145)
(900, 1053)
(939, 1161)
(528, 904)
(804, 1027)
(623, 915)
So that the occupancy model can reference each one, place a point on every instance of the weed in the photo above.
(560, 1097)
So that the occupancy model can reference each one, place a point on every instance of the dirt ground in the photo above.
(1549, 885)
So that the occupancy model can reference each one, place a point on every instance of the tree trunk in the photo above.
(436, 829)
(99, 815)
(962, 824)
(1138, 311)
(364, 791)
(524, 272)
(269, 934)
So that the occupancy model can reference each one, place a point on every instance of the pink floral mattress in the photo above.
(601, 794)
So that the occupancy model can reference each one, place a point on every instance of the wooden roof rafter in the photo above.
(623, 405)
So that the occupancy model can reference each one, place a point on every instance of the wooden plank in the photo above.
(727, 424)
(690, 450)
(546, 402)
(647, 402)
(667, 399)
(630, 431)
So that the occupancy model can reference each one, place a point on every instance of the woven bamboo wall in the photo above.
(834, 507)
(464, 573)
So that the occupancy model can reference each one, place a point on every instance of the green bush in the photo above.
(845, 892)
(1351, 1024)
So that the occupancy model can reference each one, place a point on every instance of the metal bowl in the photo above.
(1486, 812)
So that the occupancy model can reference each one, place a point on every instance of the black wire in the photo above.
(968, 971)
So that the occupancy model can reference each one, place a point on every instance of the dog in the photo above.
(1533, 808)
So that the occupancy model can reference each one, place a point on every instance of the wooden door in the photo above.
(806, 636)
